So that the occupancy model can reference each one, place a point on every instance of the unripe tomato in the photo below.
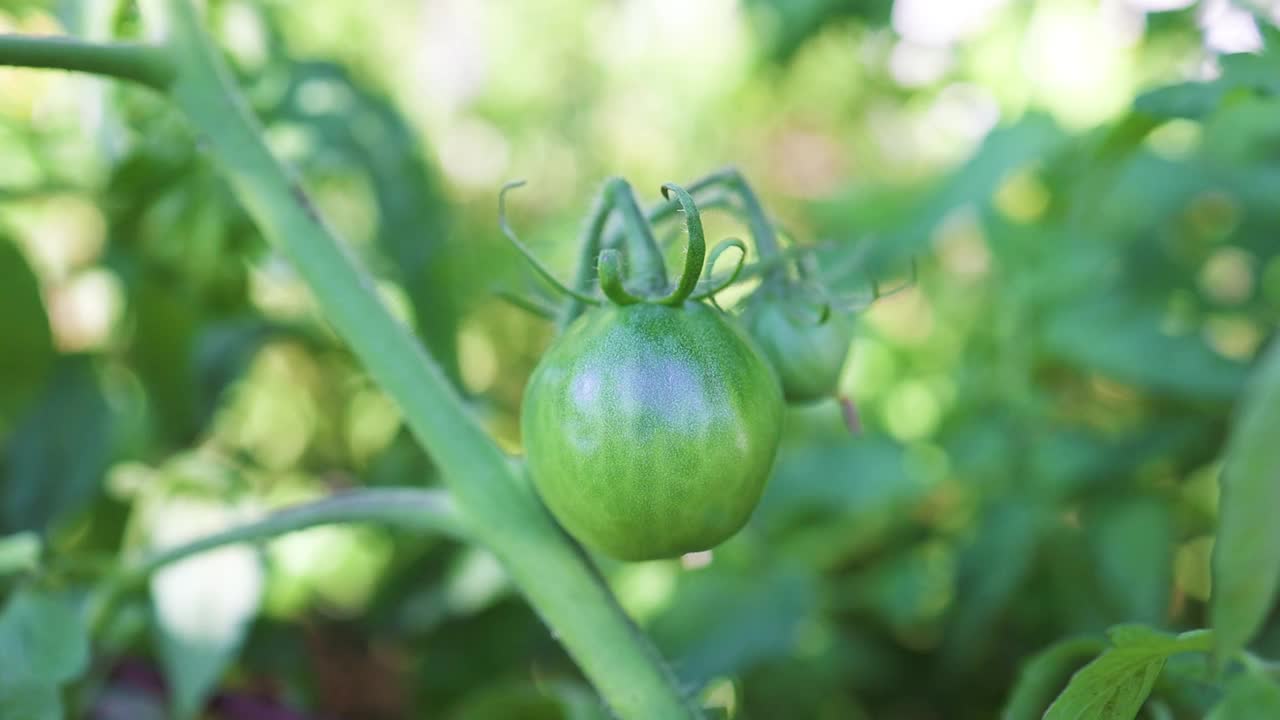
(650, 430)
(807, 352)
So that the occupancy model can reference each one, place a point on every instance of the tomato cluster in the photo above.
(650, 425)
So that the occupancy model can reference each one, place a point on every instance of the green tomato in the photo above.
(807, 352)
(650, 430)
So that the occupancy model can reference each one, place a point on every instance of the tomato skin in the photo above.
(807, 355)
(650, 430)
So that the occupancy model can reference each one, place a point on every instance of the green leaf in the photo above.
(1044, 675)
(29, 699)
(42, 636)
(723, 621)
(1121, 337)
(1246, 554)
(1012, 531)
(1248, 697)
(1241, 72)
(910, 230)
(54, 460)
(786, 25)
(524, 699)
(1117, 683)
(28, 343)
(1132, 540)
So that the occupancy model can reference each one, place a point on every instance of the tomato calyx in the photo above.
(611, 261)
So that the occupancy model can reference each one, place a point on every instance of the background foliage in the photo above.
(1088, 188)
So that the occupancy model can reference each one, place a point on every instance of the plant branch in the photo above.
(149, 65)
(409, 508)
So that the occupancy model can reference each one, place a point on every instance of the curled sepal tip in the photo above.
(541, 269)
(711, 287)
(610, 271)
(696, 251)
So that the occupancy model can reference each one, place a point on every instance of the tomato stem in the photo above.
(149, 65)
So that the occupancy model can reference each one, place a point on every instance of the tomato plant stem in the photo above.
(146, 64)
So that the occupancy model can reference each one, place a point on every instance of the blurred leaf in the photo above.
(1114, 686)
(55, 457)
(203, 606)
(1241, 72)
(526, 701)
(902, 235)
(832, 497)
(1122, 338)
(167, 319)
(907, 588)
(1246, 554)
(29, 699)
(19, 552)
(787, 24)
(1248, 697)
(723, 621)
(1045, 674)
(28, 344)
(991, 569)
(1187, 684)
(42, 638)
(1133, 545)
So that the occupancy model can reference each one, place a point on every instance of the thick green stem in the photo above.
(501, 510)
(146, 64)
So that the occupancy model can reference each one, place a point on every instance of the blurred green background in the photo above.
(1042, 411)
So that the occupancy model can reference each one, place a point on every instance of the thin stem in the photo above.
(150, 65)
(530, 305)
(762, 232)
(409, 508)
(543, 271)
